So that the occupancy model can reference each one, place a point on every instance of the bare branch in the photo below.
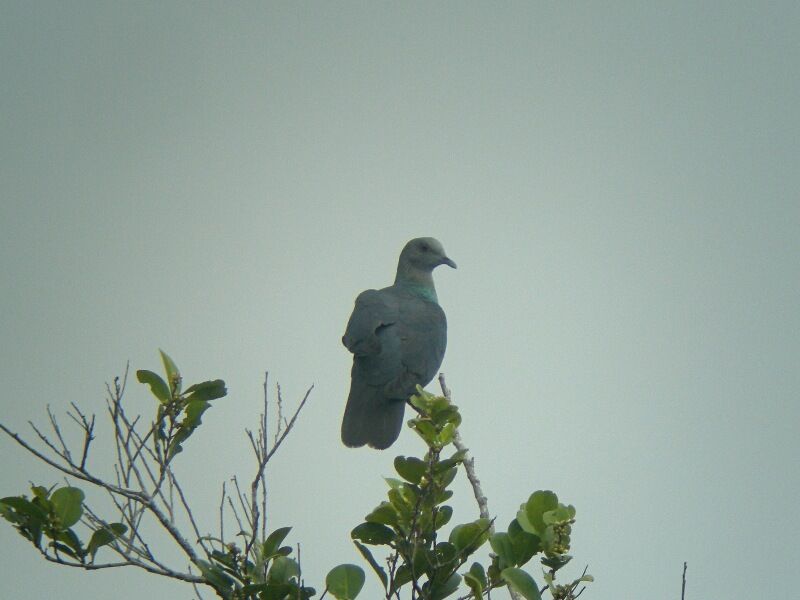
(683, 584)
(288, 426)
(469, 462)
(469, 467)
(88, 432)
(235, 514)
(74, 472)
(127, 563)
(279, 420)
(57, 430)
(188, 510)
(222, 515)
(137, 496)
(263, 447)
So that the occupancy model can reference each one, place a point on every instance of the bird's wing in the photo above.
(374, 310)
(421, 334)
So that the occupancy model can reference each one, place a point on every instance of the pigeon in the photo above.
(397, 336)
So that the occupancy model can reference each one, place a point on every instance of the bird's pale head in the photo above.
(425, 254)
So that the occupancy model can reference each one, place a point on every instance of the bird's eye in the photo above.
(424, 247)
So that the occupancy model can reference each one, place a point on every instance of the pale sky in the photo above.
(618, 183)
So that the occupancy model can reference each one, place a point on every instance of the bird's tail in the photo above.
(370, 418)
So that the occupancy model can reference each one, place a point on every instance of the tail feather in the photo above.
(370, 418)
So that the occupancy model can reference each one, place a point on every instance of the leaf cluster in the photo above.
(51, 515)
(426, 557)
(409, 524)
(180, 411)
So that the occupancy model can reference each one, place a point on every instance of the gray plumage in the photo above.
(397, 336)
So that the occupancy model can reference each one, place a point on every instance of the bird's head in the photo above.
(425, 254)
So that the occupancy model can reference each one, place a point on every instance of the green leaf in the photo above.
(22, 507)
(215, 576)
(426, 431)
(445, 552)
(447, 415)
(444, 496)
(372, 533)
(345, 581)
(64, 549)
(40, 492)
(384, 513)
(274, 541)
(394, 483)
(403, 498)
(28, 517)
(277, 591)
(157, 386)
(224, 558)
(208, 390)
(282, 570)
(67, 505)
(402, 576)
(522, 583)
(449, 586)
(531, 514)
(192, 414)
(453, 461)
(173, 375)
(556, 562)
(477, 571)
(525, 544)
(379, 571)
(410, 468)
(474, 585)
(445, 478)
(447, 434)
(429, 403)
(191, 420)
(470, 536)
(504, 548)
(70, 538)
(443, 515)
(421, 400)
(560, 514)
(104, 536)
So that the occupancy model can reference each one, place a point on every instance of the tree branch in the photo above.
(469, 467)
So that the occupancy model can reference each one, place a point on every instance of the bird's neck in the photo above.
(419, 283)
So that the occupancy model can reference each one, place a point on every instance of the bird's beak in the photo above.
(448, 262)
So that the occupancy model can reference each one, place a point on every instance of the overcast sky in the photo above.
(618, 183)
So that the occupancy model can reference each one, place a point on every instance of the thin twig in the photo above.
(73, 472)
(222, 515)
(88, 432)
(127, 563)
(188, 510)
(57, 430)
(288, 425)
(683, 584)
(279, 417)
(236, 515)
(263, 436)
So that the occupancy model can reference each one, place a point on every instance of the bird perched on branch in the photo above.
(397, 336)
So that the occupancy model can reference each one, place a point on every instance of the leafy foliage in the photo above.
(427, 557)
(409, 524)
(178, 414)
(51, 514)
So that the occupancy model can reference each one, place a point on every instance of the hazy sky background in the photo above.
(618, 183)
